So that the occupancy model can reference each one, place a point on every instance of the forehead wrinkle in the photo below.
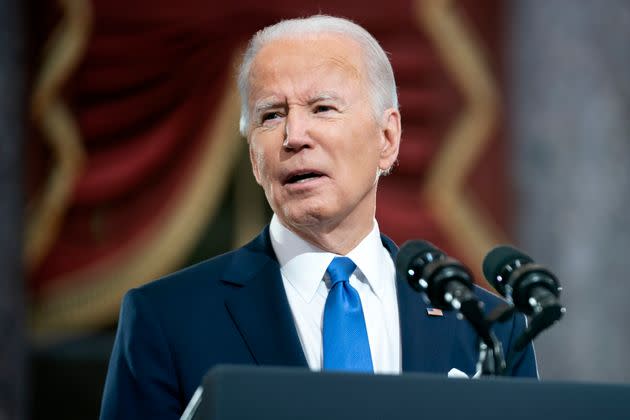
(344, 64)
(272, 65)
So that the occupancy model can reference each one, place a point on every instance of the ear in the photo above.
(390, 138)
(254, 161)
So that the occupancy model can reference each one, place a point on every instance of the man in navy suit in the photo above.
(320, 113)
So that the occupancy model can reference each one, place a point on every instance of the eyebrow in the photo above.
(325, 96)
(266, 105)
(263, 106)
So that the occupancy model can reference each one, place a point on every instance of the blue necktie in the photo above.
(346, 345)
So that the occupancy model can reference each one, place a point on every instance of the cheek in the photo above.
(261, 162)
(265, 166)
(256, 157)
(363, 151)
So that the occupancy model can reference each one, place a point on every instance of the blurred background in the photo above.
(120, 161)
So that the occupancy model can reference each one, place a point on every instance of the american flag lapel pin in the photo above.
(434, 312)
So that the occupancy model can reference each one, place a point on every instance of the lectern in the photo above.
(245, 392)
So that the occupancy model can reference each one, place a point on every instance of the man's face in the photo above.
(315, 142)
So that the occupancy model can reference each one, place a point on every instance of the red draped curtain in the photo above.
(135, 137)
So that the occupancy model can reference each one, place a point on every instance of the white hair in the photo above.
(379, 70)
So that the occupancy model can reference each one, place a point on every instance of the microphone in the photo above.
(446, 282)
(532, 288)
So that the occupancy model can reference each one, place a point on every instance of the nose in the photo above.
(297, 131)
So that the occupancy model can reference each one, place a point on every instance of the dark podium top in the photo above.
(242, 392)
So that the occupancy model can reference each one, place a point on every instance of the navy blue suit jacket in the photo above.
(233, 309)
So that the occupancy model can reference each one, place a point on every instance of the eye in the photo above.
(270, 116)
(323, 108)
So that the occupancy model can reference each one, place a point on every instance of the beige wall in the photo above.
(570, 123)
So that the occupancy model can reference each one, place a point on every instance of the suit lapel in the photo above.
(259, 306)
(426, 341)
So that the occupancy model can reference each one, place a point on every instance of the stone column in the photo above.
(12, 113)
(570, 119)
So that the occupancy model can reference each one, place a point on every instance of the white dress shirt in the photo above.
(303, 267)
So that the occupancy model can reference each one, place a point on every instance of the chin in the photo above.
(304, 216)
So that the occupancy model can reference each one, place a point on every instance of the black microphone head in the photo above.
(496, 262)
(410, 250)
(411, 259)
(499, 257)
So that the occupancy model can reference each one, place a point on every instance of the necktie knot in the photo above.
(340, 269)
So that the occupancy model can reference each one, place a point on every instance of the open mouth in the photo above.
(301, 177)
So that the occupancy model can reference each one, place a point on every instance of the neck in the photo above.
(338, 238)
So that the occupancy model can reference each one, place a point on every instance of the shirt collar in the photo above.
(303, 264)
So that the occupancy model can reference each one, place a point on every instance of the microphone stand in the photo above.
(546, 311)
(543, 317)
(491, 361)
